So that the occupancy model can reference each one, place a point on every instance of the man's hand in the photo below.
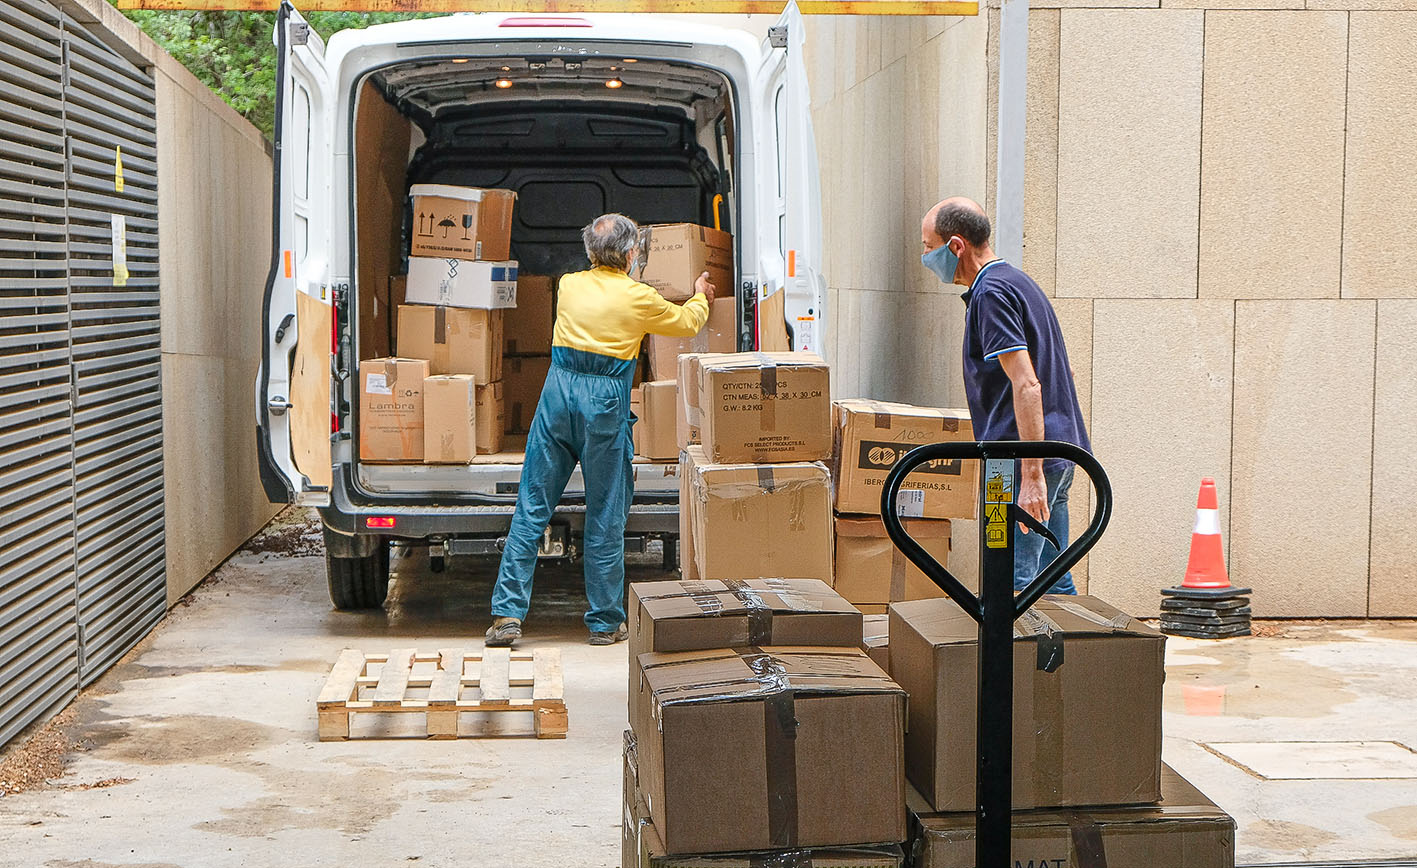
(703, 285)
(1033, 492)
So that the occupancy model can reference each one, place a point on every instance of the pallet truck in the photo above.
(997, 607)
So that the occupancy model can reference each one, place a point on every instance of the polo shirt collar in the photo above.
(969, 293)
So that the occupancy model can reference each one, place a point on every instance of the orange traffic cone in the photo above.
(1205, 605)
(1206, 566)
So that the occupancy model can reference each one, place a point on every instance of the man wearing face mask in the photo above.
(583, 415)
(1017, 378)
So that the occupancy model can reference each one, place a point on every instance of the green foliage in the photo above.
(233, 52)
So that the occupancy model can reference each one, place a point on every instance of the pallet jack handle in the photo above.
(997, 607)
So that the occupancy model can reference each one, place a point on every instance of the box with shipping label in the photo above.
(719, 335)
(701, 614)
(454, 340)
(528, 325)
(679, 252)
(461, 222)
(869, 437)
(522, 379)
(1185, 830)
(391, 410)
(449, 419)
(872, 572)
(761, 520)
(1087, 703)
(490, 419)
(654, 432)
(752, 749)
(462, 283)
(875, 639)
(764, 407)
(686, 414)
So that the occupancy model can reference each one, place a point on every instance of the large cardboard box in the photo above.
(732, 613)
(449, 419)
(391, 410)
(872, 573)
(876, 640)
(761, 520)
(765, 407)
(491, 419)
(869, 437)
(528, 325)
(462, 283)
(1087, 703)
(1184, 830)
(679, 252)
(719, 335)
(688, 457)
(654, 432)
(522, 379)
(773, 747)
(651, 854)
(454, 340)
(686, 414)
(461, 222)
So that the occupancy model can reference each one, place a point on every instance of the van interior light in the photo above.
(504, 83)
(632, 60)
(614, 83)
(459, 60)
(506, 69)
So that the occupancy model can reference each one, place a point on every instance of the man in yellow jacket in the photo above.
(584, 415)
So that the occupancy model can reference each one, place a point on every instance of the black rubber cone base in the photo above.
(1182, 613)
(1204, 593)
(1213, 604)
(1194, 632)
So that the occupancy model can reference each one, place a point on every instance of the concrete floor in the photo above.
(204, 739)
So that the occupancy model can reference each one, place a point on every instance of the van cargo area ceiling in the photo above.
(431, 86)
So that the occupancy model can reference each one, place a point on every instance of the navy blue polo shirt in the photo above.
(1005, 311)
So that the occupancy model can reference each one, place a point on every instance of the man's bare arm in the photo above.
(1028, 413)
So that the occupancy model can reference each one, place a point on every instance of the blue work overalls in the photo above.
(583, 415)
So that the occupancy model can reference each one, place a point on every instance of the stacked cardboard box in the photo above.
(868, 438)
(737, 757)
(653, 405)
(527, 346)
(756, 495)
(675, 255)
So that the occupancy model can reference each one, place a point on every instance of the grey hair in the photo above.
(609, 241)
(957, 218)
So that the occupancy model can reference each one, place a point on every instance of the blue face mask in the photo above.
(942, 261)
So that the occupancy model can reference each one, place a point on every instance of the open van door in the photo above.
(790, 199)
(293, 413)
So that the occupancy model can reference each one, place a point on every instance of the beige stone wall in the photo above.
(1220, 201)
(214, 230)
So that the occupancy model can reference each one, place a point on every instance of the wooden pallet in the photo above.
(395, 682)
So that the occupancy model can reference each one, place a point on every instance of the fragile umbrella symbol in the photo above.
(447, 223)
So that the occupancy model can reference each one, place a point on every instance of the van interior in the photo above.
(575, 137)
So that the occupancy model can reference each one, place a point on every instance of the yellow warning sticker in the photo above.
(118, 169)
(999, 489)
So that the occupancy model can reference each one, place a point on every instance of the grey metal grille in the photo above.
(81, 511)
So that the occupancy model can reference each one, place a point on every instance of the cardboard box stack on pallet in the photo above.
(439, 399)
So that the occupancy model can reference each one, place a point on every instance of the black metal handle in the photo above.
(1014, 449)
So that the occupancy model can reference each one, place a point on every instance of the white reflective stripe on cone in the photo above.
(1207, 521)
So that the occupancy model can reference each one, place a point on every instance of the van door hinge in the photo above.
(777, 36)
(299, 33)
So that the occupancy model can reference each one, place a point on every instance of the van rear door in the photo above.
(790, 228)
(294, 417)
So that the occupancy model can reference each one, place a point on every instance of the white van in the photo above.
(662, 119)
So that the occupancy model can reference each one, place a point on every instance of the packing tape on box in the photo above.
(1119, 622)
(884, 416)
(767, 381)
(1087, 846)
(440, 325)
(757, 609)
(765, 480)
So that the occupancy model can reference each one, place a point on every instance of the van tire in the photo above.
(359, 583)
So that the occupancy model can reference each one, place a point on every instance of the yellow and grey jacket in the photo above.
(607, 312)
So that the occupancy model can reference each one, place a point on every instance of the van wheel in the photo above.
(359, 583)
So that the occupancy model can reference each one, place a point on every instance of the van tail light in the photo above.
(380, 521)
(545, 22)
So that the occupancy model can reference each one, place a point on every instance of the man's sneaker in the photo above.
(503, 632)
(610, 637)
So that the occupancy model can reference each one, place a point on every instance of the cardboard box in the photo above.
(765, 407)
(679, 252)
(636, 811)
(462, 283)
(651, 854)
(871, 571)
(1087, 703)
(375, 321)
(391, 410)
(776, 747)
(688, 569)
(654, 432)
(686, 415)
(869, 437)
(398, 293)
(449, 419)
(875, 639)
(731, 613)
(761, 520)
(528, 325)
(461, 222)
(1184, 830)
(522, 379)
(719, 335)
(454, 340)
(491, 419)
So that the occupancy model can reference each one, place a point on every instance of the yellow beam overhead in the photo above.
(731, 7)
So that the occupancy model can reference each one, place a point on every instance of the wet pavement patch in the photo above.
(1320, 760)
